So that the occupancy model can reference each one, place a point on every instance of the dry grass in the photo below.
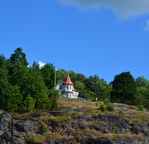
(74, 103)
(123, 110)
(129, 135)
(60, 118)
(91, 123)
(138, 143)
(137, 116)
(42, 138)
(99, 134)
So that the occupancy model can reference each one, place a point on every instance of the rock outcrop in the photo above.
(73, 125)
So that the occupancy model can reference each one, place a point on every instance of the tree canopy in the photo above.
(123, 88)
(26, 88)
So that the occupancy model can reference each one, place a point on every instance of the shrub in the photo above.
(53, 98)
(103, 107)
(90, 110)
(113, 128)
(31, 140)
(140, 107)
(106, 101)
(43, 128)
(36, 112)
(110, 107)
(29, 104)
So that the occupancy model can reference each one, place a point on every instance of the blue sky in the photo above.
(100, 37)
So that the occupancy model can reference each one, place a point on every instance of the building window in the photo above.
(60, 87)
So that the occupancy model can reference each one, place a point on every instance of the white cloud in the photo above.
(41, 64)
(123, 8)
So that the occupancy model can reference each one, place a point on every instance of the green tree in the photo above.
(48, 74)
(92, 85)
(98, 86)
(61, 74)
(142, 96)
(142, 82)
(35, 87)
(17, 67)
(12, 99)
(19, 57)
(142, 92)
(72, 75)
(3, 75)
(104, 90)
(53, 99)
(80, 87)
(80, 77)
(91, 96)
(29, 104)
(36, 66)
(123, 88)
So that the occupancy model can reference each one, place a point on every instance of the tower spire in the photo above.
(68, 80)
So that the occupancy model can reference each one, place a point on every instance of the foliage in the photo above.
(110, 107)
(113, 128)
(48, 74)
(106, 101)
(36, 112)
(43, 128)
(19, 57)
(142, 96)
(123, 88)
(24, 88)
(3, 77)
(12, 99)
(98, 86)
(102, 107)
(80, 87)
(29, 104)
(90, 110)
(141, 82)
(106, 106)
(140, 107)
(91, 96)
(53, 99)
(31, 140)
(37, 89)
(142, 92)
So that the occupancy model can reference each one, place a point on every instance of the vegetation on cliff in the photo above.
(80, 122)
(25, 88)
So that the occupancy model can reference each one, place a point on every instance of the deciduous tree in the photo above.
(123, 88)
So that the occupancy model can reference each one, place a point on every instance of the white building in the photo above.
(67, 88)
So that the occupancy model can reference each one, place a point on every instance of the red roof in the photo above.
(73, 88)
(68, 80)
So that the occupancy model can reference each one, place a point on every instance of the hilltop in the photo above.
(80, 122)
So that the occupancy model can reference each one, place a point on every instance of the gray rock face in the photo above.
(22, 126)
(79, 129)
(114, 123)
(99, 141)
(6, 127)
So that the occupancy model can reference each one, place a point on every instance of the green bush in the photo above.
(106, 101)
(53, 99)
(140, 107)
(31, 140)
(36, 113)
(110, 107)
(43, 128)
(102, 107)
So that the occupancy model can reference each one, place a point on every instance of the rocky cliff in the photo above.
(77, 122)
